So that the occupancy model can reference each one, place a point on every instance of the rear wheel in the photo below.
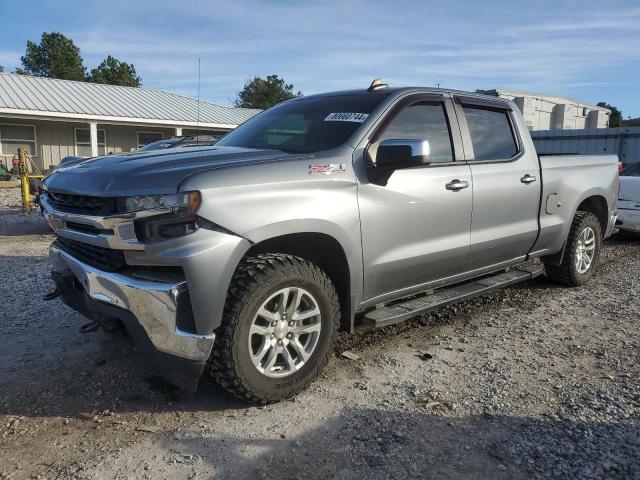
(581, 254)
(280, 321)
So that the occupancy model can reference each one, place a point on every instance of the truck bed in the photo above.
(563, 189)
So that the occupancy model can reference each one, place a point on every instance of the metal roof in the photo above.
(48, 97)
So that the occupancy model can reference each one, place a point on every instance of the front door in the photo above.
(416, 227)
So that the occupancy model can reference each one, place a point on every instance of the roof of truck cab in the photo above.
(393, 90)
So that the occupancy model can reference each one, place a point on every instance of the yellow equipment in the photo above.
(26, 165)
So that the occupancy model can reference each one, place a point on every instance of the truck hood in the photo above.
(151, 172)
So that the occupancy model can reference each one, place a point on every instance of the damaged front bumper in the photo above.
(148, 305)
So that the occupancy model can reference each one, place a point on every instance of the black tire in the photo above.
(567, 273)
(253, 282)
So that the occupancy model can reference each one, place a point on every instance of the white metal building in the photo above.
(56, 118)
(551, 112)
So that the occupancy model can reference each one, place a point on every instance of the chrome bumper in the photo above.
(153, 303)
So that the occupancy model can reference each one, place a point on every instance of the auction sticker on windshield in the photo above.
(346, 117)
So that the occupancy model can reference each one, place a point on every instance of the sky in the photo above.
(583, 49)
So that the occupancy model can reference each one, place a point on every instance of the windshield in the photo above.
(631, 170)
(305, 126)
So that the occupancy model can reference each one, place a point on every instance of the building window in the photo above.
(83, 142)
(145, 138)
(13, 137)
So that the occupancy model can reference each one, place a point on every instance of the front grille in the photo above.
(83, 204)
(99, 257)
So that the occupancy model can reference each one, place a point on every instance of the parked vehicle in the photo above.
(242, 260)
(629, 199)
(179, 142)
(173, 142)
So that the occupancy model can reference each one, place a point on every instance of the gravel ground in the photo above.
(534, 381)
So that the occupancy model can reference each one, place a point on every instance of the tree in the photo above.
(265, 92)
(615, 119)
(114, 72)
(1, 69)
(56, 56)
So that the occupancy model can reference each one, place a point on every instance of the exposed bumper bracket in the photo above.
(147, 307)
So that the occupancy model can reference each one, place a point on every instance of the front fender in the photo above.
(266, 201)
(344, 238)
(209, 259)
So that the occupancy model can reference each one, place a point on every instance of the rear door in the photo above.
(506, 182)
(415, 229)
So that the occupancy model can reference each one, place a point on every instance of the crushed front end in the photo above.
(152, 264)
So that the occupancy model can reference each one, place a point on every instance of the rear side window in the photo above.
(423, 121)
(491, 133)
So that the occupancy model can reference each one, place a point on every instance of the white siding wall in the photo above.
(537, 113)
(56, 140)
(120, 138)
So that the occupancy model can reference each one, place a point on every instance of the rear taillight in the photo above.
(620, 166)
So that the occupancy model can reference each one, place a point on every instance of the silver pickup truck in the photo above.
(366, 207)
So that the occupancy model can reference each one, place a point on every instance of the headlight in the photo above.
(186, 202)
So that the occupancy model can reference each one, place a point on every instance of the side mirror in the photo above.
(398, 153)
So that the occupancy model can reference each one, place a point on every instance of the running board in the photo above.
(399, 312)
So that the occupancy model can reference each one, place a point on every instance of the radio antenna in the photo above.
(198, 111)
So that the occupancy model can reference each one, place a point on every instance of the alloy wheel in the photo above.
(284, 332)
(585, 250)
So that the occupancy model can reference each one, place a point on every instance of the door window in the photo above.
(423, 121)
(491, 133)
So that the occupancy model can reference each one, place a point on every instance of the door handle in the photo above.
(528, 179)
(456, 185)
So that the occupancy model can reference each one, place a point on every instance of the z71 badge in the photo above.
(327, 169)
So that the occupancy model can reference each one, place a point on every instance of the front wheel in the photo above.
(280, 321)
(581, 254)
